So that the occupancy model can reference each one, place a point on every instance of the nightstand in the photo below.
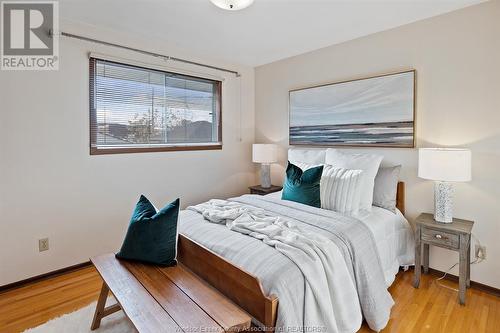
(453, 236)
(257, 189)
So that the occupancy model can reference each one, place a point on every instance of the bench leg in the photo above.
(99, 310)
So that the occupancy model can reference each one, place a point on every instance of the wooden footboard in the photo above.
(241, 287)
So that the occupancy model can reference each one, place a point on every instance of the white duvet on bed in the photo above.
(281, 277)
(393, 236)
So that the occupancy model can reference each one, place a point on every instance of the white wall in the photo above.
(51, 187)
(457, 58)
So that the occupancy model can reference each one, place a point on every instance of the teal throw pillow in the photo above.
(152, 235)
(302, 186)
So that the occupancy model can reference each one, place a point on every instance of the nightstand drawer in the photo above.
(440, 238)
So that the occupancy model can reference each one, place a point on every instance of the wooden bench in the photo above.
(164, 299)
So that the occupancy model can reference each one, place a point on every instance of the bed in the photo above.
(257, 276)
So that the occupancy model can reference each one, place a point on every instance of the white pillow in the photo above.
(386, 187)
(340, 189)
(369, 163)
(309, 156)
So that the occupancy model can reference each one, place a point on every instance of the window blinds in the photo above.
(139, 108)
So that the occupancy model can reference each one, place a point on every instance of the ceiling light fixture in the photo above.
(232, 4)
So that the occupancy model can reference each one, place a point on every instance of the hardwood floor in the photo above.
(39, 302)
(431, 308)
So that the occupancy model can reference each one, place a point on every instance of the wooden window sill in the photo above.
(132, 150)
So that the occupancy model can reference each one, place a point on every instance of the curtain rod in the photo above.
(166, 57)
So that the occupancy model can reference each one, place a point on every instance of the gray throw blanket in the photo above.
(278, 222)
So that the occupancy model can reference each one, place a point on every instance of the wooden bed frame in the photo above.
(235, 283)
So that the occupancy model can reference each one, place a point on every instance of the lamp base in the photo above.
(265, 175)
(443, 202)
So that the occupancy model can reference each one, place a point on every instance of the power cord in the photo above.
(478, 260)
(444, 275)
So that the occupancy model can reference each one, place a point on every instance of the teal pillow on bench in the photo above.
(302, 186)
(152, 236)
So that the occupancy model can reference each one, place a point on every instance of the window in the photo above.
(135, 109)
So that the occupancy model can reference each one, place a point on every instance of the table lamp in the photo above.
(444, 165)
(265, 154)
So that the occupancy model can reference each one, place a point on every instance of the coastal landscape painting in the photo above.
(377, 111)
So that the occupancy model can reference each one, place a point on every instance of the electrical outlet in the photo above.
(43, 244)
(480, 252)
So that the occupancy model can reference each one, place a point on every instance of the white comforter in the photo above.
(303, 297)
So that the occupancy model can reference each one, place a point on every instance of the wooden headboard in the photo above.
(400, 197)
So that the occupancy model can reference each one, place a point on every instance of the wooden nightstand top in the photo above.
(257, 189)
(458, 225)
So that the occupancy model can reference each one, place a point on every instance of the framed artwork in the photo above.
(378, 111)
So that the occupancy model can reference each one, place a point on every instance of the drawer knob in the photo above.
(438, 236)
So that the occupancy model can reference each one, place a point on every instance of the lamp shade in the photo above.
(264, 153)
(444, 164)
